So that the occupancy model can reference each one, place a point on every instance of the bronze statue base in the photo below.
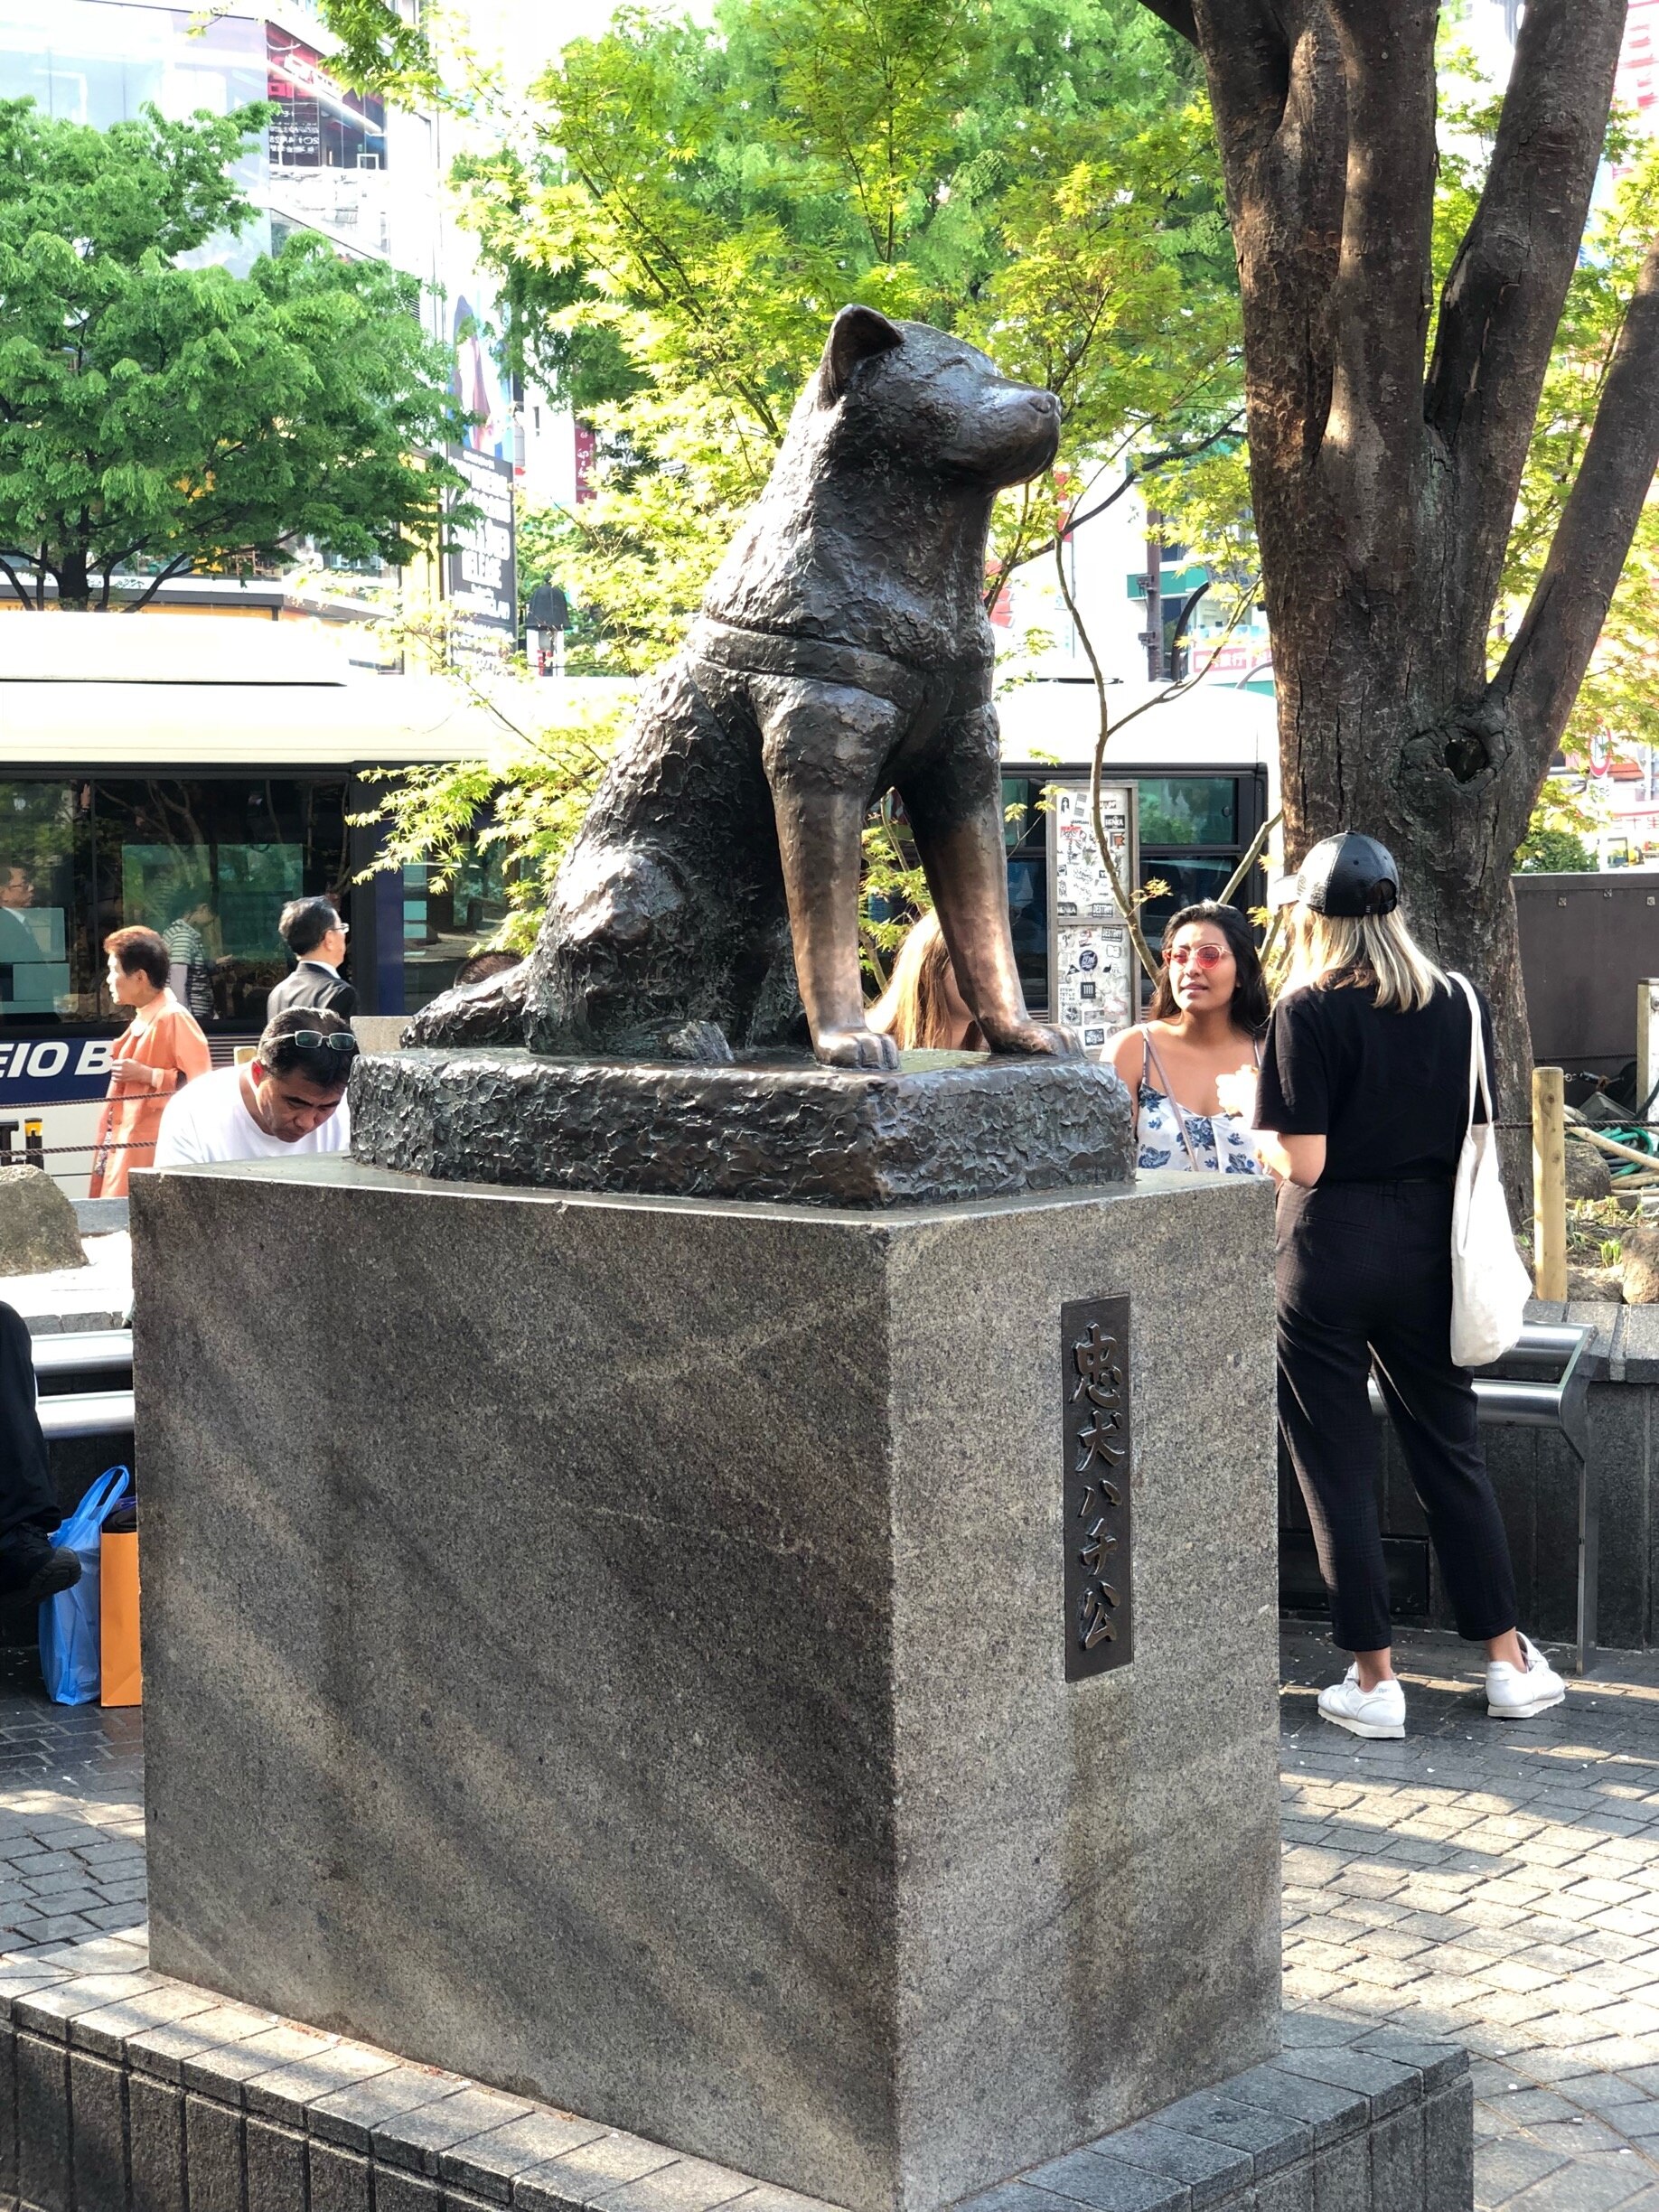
(946, 1127)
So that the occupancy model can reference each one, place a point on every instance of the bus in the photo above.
(1187, 786)
(191, 775)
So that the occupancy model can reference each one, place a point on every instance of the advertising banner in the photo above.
(479, 579)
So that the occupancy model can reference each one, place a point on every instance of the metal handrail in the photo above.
(83, 1352)
(1559, 1353)
(83, 1412)
(86, 1413)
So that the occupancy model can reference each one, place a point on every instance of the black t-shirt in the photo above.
(1388, 1092)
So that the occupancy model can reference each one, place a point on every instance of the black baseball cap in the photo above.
(1349, 877)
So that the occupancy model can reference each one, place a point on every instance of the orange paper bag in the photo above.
(121, 1676)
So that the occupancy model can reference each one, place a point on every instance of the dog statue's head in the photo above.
(925, 402)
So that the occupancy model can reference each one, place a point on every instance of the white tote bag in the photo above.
(1490, 1284)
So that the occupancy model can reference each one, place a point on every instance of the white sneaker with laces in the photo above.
(1513, 1695)
(1365, 1712)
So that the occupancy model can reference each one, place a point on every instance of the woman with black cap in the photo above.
(1362, 1112)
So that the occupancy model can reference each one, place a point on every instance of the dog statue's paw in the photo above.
(487, 1013)
(856, 1048)
(1035, 1039)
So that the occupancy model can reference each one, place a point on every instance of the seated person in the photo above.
(289, 1098)
(30, 1567)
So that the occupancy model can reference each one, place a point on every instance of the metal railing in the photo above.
(1542, 1381)
(106, 1412)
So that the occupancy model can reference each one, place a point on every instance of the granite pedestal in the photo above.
(119, 2087)
(615, 1648)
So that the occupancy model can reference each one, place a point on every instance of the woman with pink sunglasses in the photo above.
(1184, 1063)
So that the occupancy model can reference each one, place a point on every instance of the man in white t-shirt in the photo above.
(289, 1098)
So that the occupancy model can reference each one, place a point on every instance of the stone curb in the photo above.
(123, 2089)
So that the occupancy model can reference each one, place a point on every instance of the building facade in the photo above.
(366, 175)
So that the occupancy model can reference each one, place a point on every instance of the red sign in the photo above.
(586, 454)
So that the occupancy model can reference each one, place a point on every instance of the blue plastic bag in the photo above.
(69, 1621)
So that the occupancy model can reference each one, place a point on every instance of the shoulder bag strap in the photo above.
(1176, 1107)
(1479, 1088)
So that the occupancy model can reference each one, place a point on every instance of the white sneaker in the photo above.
(1511, 1695)
(1365, 1712)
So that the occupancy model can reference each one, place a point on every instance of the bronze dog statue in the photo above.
(843, 651)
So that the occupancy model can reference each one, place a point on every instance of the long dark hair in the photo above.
(1250, 1009)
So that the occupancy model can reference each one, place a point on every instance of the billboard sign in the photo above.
(479, 579)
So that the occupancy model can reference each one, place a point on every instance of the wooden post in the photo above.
(1549, 1186)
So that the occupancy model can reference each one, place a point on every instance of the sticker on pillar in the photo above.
(1094, 1340)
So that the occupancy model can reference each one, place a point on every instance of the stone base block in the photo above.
(946, 1127)
(627, 1649)
(120, 2086)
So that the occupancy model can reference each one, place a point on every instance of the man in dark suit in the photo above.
(316, 936)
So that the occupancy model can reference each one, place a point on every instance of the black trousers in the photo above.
(1364, 1281)
(26, 1495)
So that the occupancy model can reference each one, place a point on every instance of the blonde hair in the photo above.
(1374, 948)
(914, 1010)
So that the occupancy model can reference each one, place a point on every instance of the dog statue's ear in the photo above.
(857, 333)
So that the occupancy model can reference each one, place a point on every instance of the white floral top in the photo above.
(1167, 1136)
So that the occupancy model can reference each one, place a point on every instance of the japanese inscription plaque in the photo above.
(1100, 1628)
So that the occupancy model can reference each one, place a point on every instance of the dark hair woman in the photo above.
(1365, 1085)
(161, 1049)
(1184, 1063)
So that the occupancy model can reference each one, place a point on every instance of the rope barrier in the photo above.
(26, 1153)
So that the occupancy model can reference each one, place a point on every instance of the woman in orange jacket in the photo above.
(161, 1048)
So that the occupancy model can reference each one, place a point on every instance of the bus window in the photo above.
(210, 863)
(444, 927)
(1188, 810)
(1193, 832)
(44, 975)
(1188, 879)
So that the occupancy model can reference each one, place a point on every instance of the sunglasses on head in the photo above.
(314, 1040)
(1205, 955)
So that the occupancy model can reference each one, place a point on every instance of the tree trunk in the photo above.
(1374, 750)
(1385, 483)
(74, 581)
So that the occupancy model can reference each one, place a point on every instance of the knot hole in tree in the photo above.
(1471, 749)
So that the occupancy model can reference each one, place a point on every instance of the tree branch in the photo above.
(165, 577)
(1544, 667)
(1132, 475)
(1370, 452)
(1505, 292)
(16, 581)
(1279, 89)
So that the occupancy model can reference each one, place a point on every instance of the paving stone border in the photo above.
(124, 2091)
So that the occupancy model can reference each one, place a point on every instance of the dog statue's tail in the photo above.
(487, 1013)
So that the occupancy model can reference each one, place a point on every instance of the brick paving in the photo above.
(71, 1814)
(1495, 1884)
